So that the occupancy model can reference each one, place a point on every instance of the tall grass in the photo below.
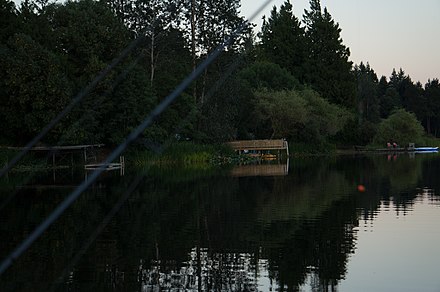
(182, 154)
(30, 162)
(431, 141)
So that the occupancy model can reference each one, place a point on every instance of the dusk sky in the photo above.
(387, 34)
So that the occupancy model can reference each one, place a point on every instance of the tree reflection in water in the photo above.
(213, 231)
(218, 272)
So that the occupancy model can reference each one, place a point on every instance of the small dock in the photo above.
(108, 166)
(62, 156)
(258, 146)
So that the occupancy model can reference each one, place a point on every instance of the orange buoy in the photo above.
(361, 188)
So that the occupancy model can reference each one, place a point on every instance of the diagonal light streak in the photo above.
(59, 210)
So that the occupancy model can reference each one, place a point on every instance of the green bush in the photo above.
(299, 115)
(401, 127)
(431, 141)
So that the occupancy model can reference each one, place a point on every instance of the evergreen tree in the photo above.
(389, 102)
(328, 69)
(397, 79)
(382, 86)
(367, 93)
(367, 102)
(414, 99)
(432, 94)
(283, 41)
(411, 94)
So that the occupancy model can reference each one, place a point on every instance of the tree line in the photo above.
(292, 80)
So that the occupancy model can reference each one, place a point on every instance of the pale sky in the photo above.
(386, 33)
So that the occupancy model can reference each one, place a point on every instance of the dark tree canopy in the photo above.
(367, 93)
(283, 40)
(328, 69)
(295, 80)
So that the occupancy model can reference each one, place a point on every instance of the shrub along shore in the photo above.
(194, 155)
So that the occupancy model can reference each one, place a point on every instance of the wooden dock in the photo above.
(64, 154)
(257, 146)
(108, 166)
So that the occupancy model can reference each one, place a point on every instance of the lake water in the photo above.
(301, 226)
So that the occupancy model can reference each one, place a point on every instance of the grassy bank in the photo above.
(431, 141)
(427, 141)
(183, 154)
(192, 155)
(29, 162)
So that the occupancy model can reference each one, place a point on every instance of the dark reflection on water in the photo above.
(197, 230)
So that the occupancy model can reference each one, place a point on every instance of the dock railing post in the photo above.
(122, 165)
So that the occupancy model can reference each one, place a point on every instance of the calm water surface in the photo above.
(304, 226)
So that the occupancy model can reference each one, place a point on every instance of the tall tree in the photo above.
(165, 54)
(389, 102)
(151, 19)
(90, 36)
(382, 86)
(397, 79)
(328, 69)
(8, 27)
(36, 88)
(283, 40)
(208, 24)
(367, 93)
(411, 94)
(432, 94)
(414, 99)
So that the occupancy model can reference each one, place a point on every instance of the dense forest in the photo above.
(293, 79)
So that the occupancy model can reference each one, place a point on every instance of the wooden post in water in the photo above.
(122, 165)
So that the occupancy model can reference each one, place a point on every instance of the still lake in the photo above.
(301, 226)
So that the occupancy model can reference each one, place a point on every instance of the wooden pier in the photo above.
(108, 166)
(64, 154)
(258, 146)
